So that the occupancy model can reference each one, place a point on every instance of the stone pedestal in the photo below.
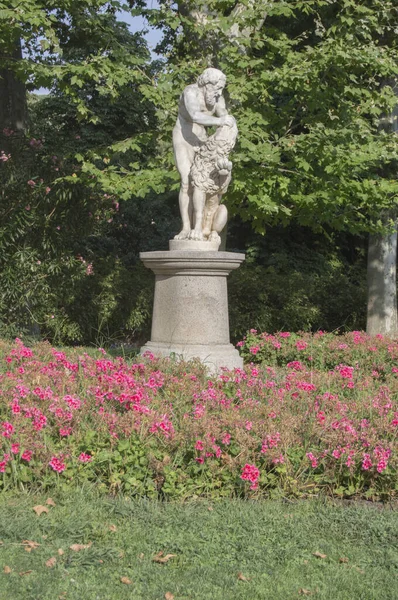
(190, 312)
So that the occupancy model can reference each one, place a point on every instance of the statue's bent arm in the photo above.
(192, 106)
(221, 110)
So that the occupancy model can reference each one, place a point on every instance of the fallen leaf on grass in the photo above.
(304, 592)
(319, 554)
(126, 580)
(7, 569)
(39, 509)
(141, 556)
(25, 573)
(78, 547)
(360, 571)
(30, 545)
(343, 560)
(159, 558)
(241, 577)
(51, 562)
(60, 551)
(112, 528)
(169, 596)
(50, 502)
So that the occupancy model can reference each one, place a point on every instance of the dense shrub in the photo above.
(315, 414)
(301, 285)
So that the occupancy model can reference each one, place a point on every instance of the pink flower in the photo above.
(313, 459)
(85, 458)
(279, 460)
(4, 157)
(284, 334)
(366, 462)
(346, 372)
(301, 345)
(57, 465)
(381, 466)
(31, 183)
(199, 445)
(73, 403)
(65, 431)
(8, 429)
(241, 343)
(254, 349)
(48, 190)
(27, 455)
(251, 473)
(226, 439)
(15, 448)
(248, 425)
(3, 466)
(296, 365)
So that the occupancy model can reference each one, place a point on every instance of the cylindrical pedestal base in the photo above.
(190, 312)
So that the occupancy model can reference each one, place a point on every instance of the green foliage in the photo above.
(311, 414)
(308, 85)
(54, 239)
(294, 279)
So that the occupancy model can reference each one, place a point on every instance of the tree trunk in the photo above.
(382, 285)
(382, 266)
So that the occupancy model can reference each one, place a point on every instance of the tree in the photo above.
(94, 67)
(307, 83)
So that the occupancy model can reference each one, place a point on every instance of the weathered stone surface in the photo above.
(203, 162)
(190, 313)
(207, 246)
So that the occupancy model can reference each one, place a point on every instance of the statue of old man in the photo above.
(202, 161)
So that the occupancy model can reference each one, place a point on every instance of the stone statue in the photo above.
(203, 161)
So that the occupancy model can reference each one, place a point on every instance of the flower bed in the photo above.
(308, 414)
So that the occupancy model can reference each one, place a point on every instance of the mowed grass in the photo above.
(224, 550)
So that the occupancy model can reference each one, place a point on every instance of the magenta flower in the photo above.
(366, 462)
(85, 458)
(8, 429)
(27, 455)
(57, 465)
(252, 474)
(312, 459)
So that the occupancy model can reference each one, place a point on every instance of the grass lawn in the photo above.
(225, 550)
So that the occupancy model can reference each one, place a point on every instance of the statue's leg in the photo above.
(185, 203)
(219, 222)
(199, 198)
(211, 206)
(184, 155)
